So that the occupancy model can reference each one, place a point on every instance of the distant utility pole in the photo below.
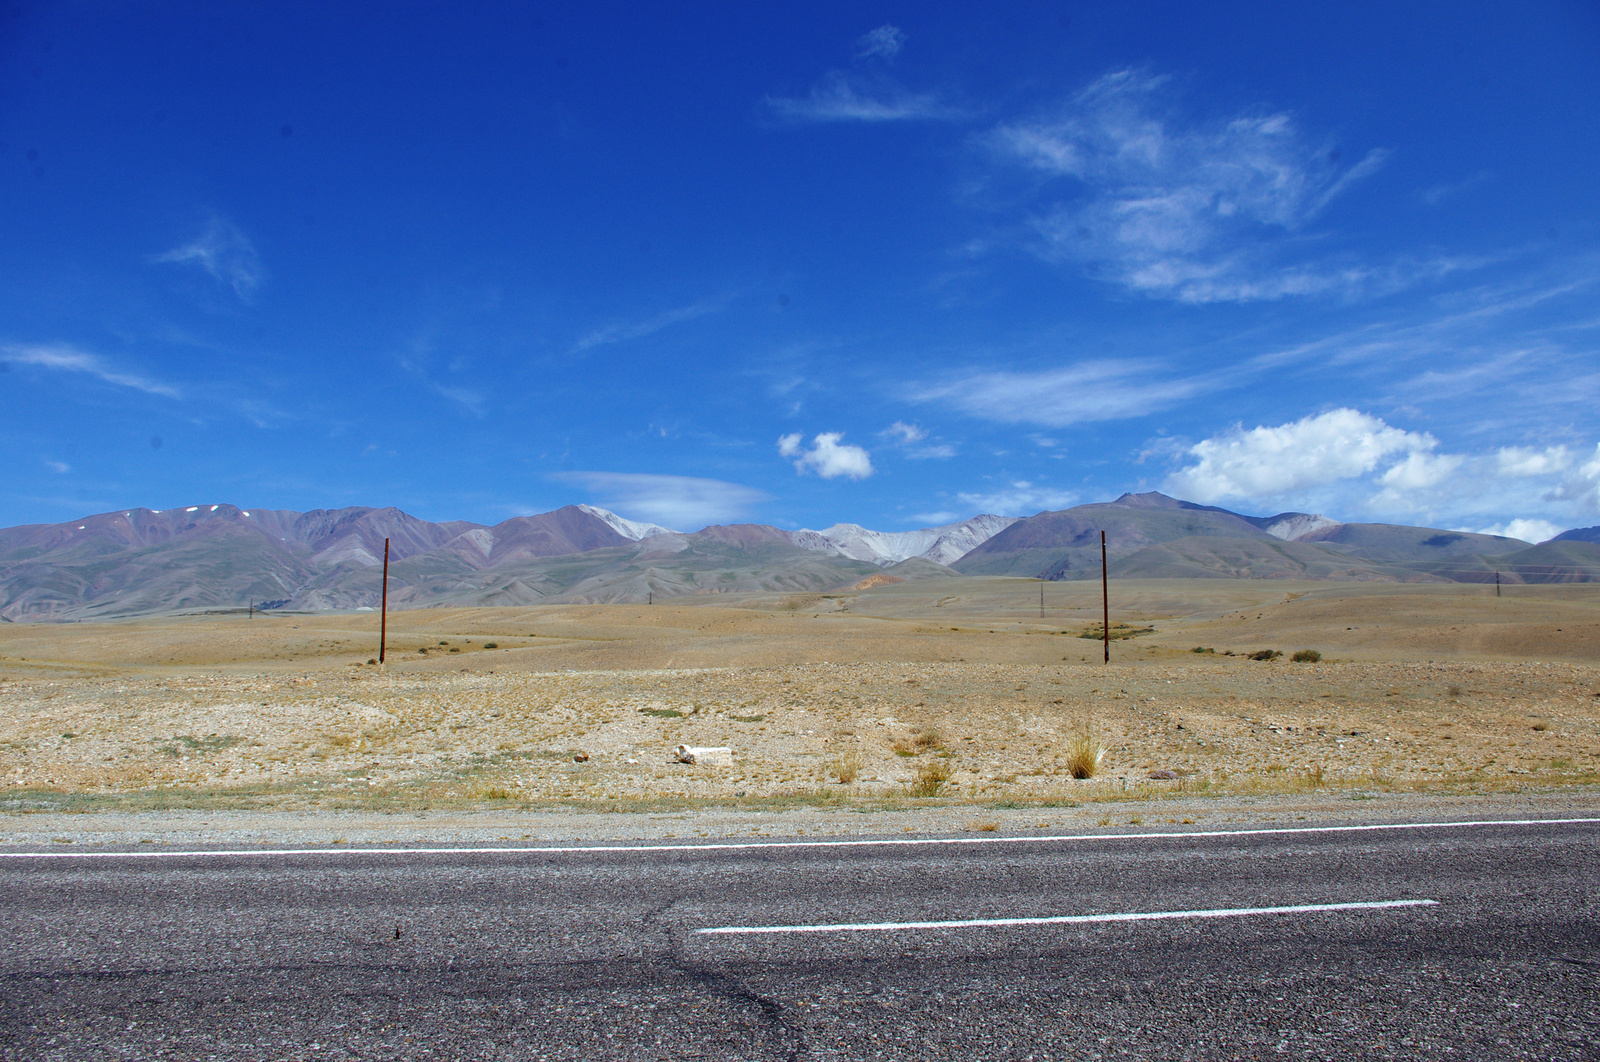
(1496, 584)
(1105, 598)
(383, 622)
(252, 614)
(1041, 601)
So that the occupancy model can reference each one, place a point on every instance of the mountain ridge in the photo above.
(138, 561)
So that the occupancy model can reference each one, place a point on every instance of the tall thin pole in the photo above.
(1105, 598)
(1496, 584)
(1041, 601)
(383, 622)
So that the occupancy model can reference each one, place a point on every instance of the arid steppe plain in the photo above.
(921, 705)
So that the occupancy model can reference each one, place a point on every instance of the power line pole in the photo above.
(1041, 601)
(1105, 598)
(1496, 584)
(383, 622)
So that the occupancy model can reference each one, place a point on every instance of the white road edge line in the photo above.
(1070, 920)
(740, 846)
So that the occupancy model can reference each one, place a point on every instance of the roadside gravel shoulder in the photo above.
(186, 829)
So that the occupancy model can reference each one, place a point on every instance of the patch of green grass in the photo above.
(1097, 632)
(748, 718)
(661, 713)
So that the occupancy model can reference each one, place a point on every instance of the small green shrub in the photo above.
(1265, 654)
(1306, 656)
(1202, 649)
(661, 713)
(491, 645)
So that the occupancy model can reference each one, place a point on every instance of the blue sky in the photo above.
(891, 264)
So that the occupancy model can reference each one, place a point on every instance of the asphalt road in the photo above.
(1489, 948)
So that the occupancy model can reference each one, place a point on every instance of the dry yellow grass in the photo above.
(1418, 687)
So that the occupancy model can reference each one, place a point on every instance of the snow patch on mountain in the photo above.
(939, 544)
(1295, 527)
(627, 528)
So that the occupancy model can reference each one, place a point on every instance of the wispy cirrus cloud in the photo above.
(1195, 211)
(621, 332)
(1019, 497)
(69, 359)
(671, 501)
(1081, 393)
(226, 253)
(866, 93)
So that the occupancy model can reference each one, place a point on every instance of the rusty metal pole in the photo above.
(1105, 598)
(383, 622)
(1496, 584)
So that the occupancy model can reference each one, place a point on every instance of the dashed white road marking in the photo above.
(741, 846)
(1069, 920)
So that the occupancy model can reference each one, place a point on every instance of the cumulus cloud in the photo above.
(1082, 393)
(1522, 461)
(1421, 470)
(226, 253)
(1267, 462)
(69, 359)
(828, 456)
(1019, 498)
(671, 501)
(885, 41)
(1583, 487)
(1527, 530)
(1180, 209)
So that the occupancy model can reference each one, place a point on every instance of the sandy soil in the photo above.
(833, 703)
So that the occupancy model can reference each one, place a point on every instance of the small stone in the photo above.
(582, 757)
(1163, 776)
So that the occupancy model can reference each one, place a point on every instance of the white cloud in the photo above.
(885, 41)
(1527, 530)
(1440, 192)
(1525, 461)
(224, 252)
(57, 466)
(1186, 211)
(671, 501)
(1266, 462)
(1082, 393)
(1583, 487)
(619, 333)
(60, 356)
(936, 519)
(1421, 470)
(1019, 498)
(842, 97)
(907, 436)
(828, 457)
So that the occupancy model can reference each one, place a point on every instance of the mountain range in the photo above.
(137, 561)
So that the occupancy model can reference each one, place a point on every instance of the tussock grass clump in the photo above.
(1266, 654)
(1084, 754)
(1306, 656)
(847, 767)
(931, 778)
(491, 645)
(661, 713)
